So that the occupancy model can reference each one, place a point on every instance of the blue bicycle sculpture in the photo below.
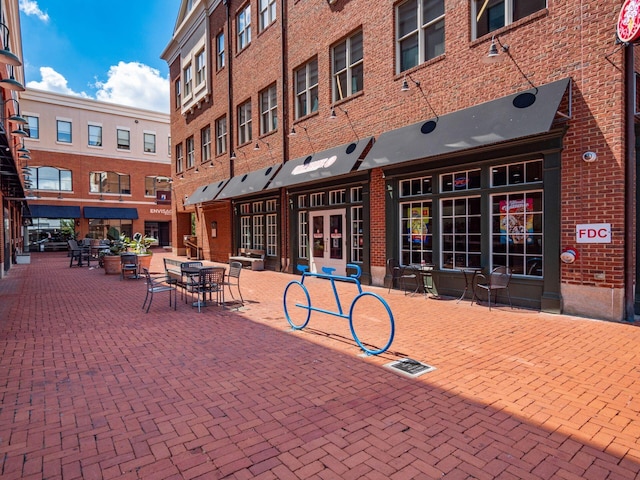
(296, 296)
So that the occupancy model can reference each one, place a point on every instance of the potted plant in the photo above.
(109, 258)
(141, 245)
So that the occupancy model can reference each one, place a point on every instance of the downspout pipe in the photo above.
(630, 185)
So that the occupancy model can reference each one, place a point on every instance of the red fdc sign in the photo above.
(593, 233)
(629, 21)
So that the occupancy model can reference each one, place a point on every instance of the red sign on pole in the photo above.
(629, 21)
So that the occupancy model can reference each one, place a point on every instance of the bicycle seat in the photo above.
(302, 268)
(328, 270)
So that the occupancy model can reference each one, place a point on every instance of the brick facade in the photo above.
(569, 39)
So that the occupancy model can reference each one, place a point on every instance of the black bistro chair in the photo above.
(404, 277)
(233, 280)
(79, 254)
(157, 284)
(497, 280)
(129, 265)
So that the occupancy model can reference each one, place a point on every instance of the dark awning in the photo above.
(507, 118)
(252, 182)
(206, 193)
(111, 212)
(54, 211)
(321, 166)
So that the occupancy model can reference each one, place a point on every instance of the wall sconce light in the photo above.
(494, 55)
(331, 2)
(291, 203)
(6, 56)
(293, 134)
(525, 99)
(11, 83)
(589, 157)
(429, 126)
(233, 155)
(16, 117)
(333, 116)
(214, 229)
(257, 146)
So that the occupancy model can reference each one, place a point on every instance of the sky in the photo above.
(105, 50)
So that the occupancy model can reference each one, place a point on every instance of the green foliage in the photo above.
(139, 243)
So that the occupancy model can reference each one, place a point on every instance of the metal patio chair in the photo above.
(497, 280)
(157, 284)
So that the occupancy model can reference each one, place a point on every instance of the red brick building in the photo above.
(94, 165)
(12, 195)
(411, 142)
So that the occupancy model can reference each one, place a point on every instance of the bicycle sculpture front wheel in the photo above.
(371, 323)
(297, 305)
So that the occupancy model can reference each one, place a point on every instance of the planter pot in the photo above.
(144, 261)
(111, 264)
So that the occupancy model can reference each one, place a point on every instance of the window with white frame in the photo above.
(245, 232)
(178, 91)
(272, 235)
(244, 123)
(317, 199)
(50, 178)
(461, 232)
(306, 89)
(95, 136)
(267, 10)
(303, 234)
(337, 197)
(490, 15)
(63, 131)
(416, 223)
(191, 152)
(179, 158)
(258, 232)
(123, 139)
(516, 232)
(205, 141)
(221, 135)
(201, 67)
(33, 126)
(109, 182)
(460, 181)
(153, 184)
(220, 51)
(243, 25)
(419, 32)
(347, 67)
(149, 142)
(268, 110)
(357, 226)
(188, 81)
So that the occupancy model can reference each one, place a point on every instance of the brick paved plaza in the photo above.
(94, 388)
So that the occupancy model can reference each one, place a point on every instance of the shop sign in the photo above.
(163, 197)
(161, 211)
(314, 165)
(629, 21)
(593, 233)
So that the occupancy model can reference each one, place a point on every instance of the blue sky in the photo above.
(106, 50)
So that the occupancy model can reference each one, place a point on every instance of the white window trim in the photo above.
(155, 143)
(125, 129)
(64, 119)
(95, 124)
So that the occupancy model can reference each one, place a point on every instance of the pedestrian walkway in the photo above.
(91, 387)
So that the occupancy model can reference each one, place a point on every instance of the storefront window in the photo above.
(98, 227)
(461, 232)
(516, 220)
(50, 233)
(417, 232)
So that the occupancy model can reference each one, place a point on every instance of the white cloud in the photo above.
(30, 7)
(133, 84)
(52, 81)
(136, 85)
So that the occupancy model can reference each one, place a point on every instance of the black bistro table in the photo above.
(470, 274)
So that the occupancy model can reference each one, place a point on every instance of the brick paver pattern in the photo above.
(91, 387)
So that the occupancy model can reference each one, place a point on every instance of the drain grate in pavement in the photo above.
(410, 367)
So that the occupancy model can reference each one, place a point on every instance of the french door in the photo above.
(329, 241)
